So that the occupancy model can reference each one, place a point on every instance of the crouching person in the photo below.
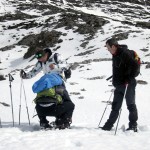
(53, 100)
(50, 103)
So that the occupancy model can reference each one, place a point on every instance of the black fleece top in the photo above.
(124, 66)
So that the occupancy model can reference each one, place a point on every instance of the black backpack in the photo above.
(137, 59)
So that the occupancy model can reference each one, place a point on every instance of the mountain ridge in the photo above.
(42, 20)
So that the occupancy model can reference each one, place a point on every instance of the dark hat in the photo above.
(48, 50)
(39, 54)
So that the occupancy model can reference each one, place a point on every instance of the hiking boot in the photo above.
(45, 126)
(59, 124)
(105, 128)
(44, 123)
(63, 126)
(132, 126)
(67, 125)
(132, 129)
(67, 122)
(63, 123)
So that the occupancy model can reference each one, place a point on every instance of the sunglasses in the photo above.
(38, 56)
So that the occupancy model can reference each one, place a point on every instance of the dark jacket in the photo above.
(124, 67)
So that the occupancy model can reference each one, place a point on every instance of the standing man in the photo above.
(124, 70)
(51, 63)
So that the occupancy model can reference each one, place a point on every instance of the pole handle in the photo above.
(10, 77)
(109, 78)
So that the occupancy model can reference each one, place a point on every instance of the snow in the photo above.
(5, 7)
(88, 111)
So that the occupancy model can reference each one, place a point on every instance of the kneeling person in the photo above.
(50, 103)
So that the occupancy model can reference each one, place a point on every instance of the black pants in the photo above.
(117, 103)
(62, 111)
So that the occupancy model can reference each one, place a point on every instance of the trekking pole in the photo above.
(26, 101)
(5, 104)
(0, 123)
(34, 114)
(109, 78)
(121, 109)
(105, 108)
(10, 80)
(20, 101)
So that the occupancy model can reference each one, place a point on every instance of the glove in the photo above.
(23, 74)
(67, 73)
(127, 80)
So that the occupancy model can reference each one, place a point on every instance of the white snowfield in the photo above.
(89, 108)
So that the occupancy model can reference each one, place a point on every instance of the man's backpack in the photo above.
(137, 59)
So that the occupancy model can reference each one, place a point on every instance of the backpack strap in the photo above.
(40, 63)
(56, 58)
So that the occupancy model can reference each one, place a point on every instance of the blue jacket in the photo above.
(47, 81)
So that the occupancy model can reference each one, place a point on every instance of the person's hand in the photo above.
(22, 74)
(126, 83)
(52, 66)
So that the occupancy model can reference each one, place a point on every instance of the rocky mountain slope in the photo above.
(32, 24)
